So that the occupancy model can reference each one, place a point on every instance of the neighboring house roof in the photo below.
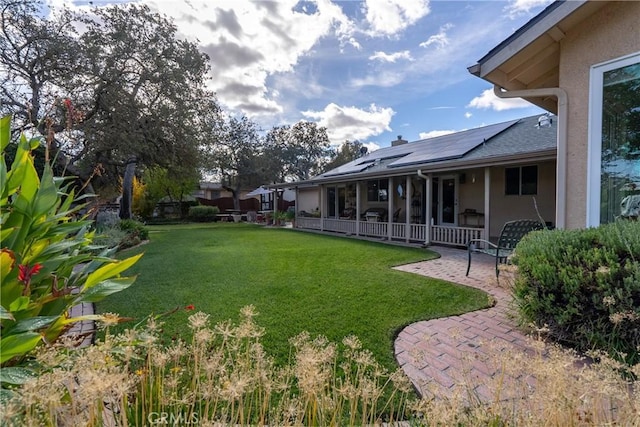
(530, 58)
(208, 185)
(502, 143)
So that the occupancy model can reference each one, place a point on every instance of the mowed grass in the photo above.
(325, 285)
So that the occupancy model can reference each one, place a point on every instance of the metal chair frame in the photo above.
(511, 234)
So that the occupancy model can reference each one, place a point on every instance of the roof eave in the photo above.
(448, 166)
(540, 25)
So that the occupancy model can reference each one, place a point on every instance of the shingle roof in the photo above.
(503, 140)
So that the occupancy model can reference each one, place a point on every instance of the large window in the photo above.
(521, 181)
(614, 139)
(377, 190)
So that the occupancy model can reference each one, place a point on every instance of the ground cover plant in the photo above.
(297, 281)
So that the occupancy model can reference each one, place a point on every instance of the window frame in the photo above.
(594, 132)
(520, 183)
(379, 187)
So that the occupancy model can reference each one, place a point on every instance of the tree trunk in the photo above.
(127, 189)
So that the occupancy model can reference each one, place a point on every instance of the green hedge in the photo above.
(203, 213)
(584, 285)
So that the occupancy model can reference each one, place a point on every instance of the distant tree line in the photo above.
(125, 97)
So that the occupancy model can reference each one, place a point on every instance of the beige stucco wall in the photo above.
(507, 208)
(308, 199)
(610, 33)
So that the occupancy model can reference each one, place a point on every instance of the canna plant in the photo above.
(46, 253)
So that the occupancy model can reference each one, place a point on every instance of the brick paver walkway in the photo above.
(434, 353)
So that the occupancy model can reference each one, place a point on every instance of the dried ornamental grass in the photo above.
(222, 377)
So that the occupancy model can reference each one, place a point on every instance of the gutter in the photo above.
(561, 163)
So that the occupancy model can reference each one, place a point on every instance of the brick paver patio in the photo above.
(435, 353)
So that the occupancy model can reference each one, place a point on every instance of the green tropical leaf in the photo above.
(5, 132)
(33, 324)
(16, 375)
(47, 196)
(6, 395)
(110, 270)
(101, 290)
(5, 314)
(19, 303)
(18, 345)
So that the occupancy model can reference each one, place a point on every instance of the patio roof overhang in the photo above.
(530, 58)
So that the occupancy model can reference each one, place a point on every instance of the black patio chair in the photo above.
(512, 232)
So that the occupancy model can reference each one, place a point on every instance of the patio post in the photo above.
(429, 198)
(357, 208)
(487, 204)
(390, 208)
(323, 208)
(295, 207)
(407, 207)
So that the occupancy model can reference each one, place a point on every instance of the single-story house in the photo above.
(446, 189)
(581, 61)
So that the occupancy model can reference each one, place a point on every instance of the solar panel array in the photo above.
(450, 146)
(440, 148)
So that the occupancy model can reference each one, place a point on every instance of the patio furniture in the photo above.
(512, 232)
(348, 213)
(478, 218)
(396, 215)
(374, 214)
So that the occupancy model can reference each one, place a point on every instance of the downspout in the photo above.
(561, 161)
(428, 207)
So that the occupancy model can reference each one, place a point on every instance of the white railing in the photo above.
(339, 225)
(308, 223)
(398, 231)
(373, 229)
(455, 235)
(417, 232)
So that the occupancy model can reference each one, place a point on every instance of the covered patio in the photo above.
(444, 190)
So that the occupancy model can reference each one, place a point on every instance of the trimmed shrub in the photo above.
(584, 286)
(134, 228)
(109, 237)
(203, 213)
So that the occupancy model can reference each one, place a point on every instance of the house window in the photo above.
(614, 138)
(521, 181)
(377, 190)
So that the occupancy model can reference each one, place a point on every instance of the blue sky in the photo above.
(366, 70)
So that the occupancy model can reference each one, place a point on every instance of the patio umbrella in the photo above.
(259, 191)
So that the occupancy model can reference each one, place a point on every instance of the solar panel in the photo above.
(450, 146)
(349, 168)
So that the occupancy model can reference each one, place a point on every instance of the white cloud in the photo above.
(488, 100)
(440, 40)
(434, 133)
(381, 79)
(391, 57)
(388, 17)
(468, 115)
(248, 42)
(516, 8)
(352, 123)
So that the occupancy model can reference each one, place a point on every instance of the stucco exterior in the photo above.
(506, 208)
(610, 33)
(308, 199)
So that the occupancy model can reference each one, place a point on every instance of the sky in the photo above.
(366, 70)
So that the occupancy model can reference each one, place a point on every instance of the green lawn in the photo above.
(297, 281)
